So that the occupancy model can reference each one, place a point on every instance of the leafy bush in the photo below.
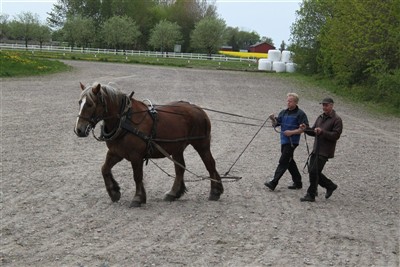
(388, 88)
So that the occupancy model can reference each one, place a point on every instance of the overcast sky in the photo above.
(270, 18)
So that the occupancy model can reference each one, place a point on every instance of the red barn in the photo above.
(261, 47)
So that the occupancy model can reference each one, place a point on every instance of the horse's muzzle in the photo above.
(83, 132)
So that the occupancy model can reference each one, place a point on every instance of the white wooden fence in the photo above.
(96, 51)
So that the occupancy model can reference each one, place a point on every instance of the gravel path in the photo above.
(55, 210)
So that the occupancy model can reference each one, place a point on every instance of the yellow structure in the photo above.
(244, 54)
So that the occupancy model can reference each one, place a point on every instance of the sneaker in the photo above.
(271, 185)
(307, 198)
(329, 192)
(295, 186)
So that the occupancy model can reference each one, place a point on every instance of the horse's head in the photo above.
(91, 109)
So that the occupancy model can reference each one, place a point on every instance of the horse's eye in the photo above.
(89, 105)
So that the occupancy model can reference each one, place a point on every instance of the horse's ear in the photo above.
(82, 86)
(96, 89)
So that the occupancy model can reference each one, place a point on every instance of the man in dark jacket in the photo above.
(289, 120)
(327, 130)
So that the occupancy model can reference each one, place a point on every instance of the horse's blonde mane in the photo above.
(113, 93)
(108, 90)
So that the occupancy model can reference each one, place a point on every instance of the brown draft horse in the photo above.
(136, 131)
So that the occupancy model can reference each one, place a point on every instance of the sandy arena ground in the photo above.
(55, 210)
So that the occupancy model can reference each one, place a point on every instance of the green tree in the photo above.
(208, 35)
(63, 10)
(120, 32)
(165, 35)
(57, 36)
(42, 34)
(305, 33)
(146, 14)
(4, 27)
(57, 16)
(100, 11)
(355, 43)
(187, 13)
(267, 40)
(245, 39)
(83, 8)
(24, 26)
(361, 40)
(79, 31)
(231, 36)
(143, 13)
(240, 39)
(106, 10)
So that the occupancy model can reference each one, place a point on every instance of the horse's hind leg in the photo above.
(216, 185)
(112, 186)
(178, 188)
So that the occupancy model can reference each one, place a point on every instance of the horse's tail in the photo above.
(207, 124)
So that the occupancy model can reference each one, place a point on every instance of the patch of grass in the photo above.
(14, 64)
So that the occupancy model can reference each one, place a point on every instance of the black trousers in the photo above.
(315, 167)
(286, 162)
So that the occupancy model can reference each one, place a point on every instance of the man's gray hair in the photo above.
(295, 96)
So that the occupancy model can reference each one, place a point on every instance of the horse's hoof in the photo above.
(169, 198)
(135, 204)
(115, 196)
(214, 197)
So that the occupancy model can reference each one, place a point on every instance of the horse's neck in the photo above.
(113, 113)
(138, 106)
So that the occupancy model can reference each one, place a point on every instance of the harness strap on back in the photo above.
(127, 125)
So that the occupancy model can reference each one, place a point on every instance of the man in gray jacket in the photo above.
(327, 130)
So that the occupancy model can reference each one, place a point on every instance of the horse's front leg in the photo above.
(112, 186)
(140, 194)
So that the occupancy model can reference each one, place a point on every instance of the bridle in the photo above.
(93, 120)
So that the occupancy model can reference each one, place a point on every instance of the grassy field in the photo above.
(14, 64)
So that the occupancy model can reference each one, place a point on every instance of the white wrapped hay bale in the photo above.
(264, 64)
(274, 55)
(291, 67)
(287, 56)
(279, 66)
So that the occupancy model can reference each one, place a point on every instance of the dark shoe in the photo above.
(329, 192)
(307, 198)
(271, 185)
(295, 186)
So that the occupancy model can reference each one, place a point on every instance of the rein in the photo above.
(262, 126)
(213, 110)
(125, 124)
